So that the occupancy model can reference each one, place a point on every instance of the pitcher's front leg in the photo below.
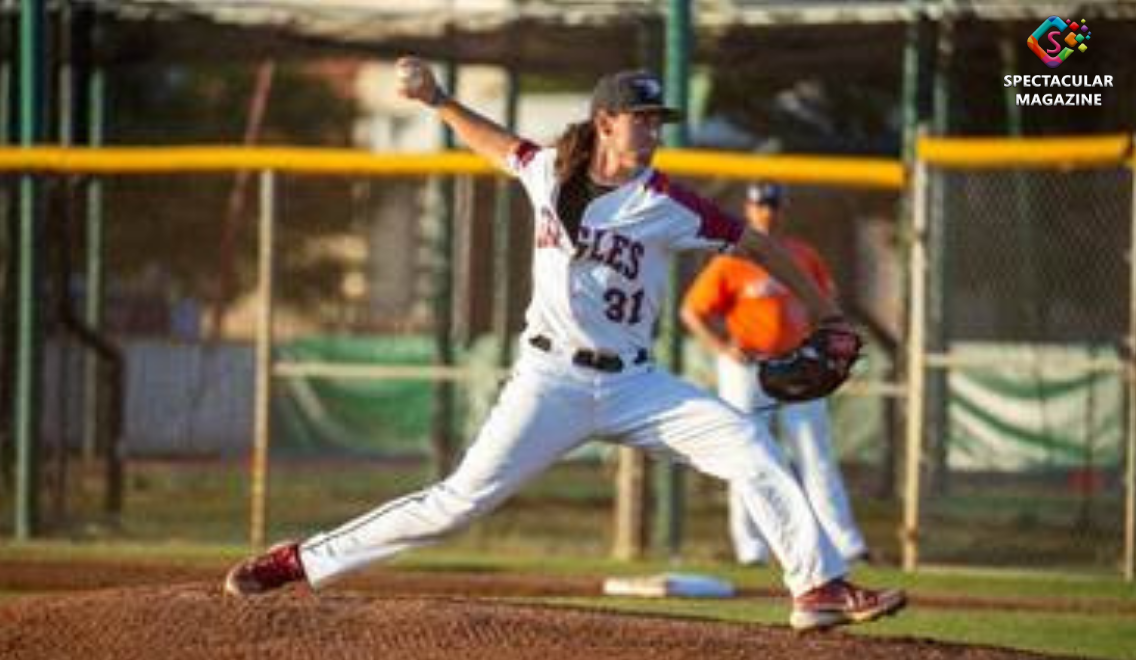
(522, 437)
(673, 415)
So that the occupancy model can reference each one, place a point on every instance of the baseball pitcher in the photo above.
(606, 224)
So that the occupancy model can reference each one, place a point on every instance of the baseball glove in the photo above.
(814, 369)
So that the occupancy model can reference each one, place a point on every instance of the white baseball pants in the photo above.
(804, 430)
(550, 407)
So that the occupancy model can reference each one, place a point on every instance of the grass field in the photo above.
(1034, 525)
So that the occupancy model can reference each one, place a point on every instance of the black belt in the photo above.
(598, 360)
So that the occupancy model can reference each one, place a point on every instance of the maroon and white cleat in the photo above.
(840, 602)
(278, 566)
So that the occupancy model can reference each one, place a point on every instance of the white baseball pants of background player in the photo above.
(551, 406)
(804, 430)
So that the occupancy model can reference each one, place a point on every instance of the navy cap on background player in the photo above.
(632, 91)
(766, 194)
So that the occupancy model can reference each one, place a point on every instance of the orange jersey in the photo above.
(760, 313)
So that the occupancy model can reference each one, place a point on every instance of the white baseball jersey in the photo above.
(607, 290)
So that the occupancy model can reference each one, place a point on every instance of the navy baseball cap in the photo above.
(767, 194)
(632, 91)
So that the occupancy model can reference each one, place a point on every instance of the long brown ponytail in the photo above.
(574, 149)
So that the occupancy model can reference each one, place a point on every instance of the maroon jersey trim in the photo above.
(524, 152)
(715, 224)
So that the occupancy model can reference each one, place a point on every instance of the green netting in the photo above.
(1006, 417)
(381, 417)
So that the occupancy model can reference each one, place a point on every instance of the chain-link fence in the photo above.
(390, 297)
(358, 264)
(1026, 326)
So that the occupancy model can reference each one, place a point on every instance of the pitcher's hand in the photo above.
(416, 81)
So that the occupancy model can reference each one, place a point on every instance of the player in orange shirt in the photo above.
(744, 315)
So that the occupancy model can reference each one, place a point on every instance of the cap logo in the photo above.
(648, 88)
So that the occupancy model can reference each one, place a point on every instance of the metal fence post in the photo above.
(442, 423)
(94, 269)
(502, 236)
(262, 415)
(670, 476)
(1130, 422)
(915, 365)
(27, 387)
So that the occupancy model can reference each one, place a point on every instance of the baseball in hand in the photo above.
(410, 77)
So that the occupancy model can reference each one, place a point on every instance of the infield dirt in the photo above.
(116, 611)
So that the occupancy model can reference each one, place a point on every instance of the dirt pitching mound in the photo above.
(196, 621)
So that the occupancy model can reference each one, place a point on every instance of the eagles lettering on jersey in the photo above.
(606, 290)
(618, 252)
(611, 248)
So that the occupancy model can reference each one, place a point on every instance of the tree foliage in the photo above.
(173, 224)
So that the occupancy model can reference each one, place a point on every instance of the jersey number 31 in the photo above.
(623, 308)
